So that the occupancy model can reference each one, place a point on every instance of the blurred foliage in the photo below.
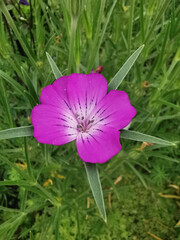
(37, 202)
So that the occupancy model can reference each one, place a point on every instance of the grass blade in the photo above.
(4, 100)
(29, 168)
(121, 74)
(29, 85)
(57, 73)
(95, 184)
(13, 165)
(137, 173)
(97, 41)
(17, 33)
(21, 183)
(14, 83)
(140, 137)
(157, 19)
(18, 88)
(16, 132)
(130, 24)
(57, 223)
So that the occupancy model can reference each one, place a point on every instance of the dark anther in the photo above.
(90, 121)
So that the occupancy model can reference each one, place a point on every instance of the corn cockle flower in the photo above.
(78, 107)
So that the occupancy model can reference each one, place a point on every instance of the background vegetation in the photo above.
(141, 183)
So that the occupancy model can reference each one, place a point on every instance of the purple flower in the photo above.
(23, 2)
(78, 107)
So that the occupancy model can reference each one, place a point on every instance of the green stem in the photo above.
(57, 223)
(142, 20)
(27, 159)
(15, 30)
(72, 44)
(130, 25)
(157, 19)
(96, 41)
(163, 82)
(23, 203)
(49, 196)
(46, 153)
(4, 100)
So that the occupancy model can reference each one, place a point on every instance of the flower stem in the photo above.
(72, 45)
(27, 159)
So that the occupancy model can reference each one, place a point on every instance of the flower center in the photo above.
(84, 126)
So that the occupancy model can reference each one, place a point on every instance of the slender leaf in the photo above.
(13, 165)
(121, 74)
(57, 223)
(33, 187)
(18, 87)
(172, 105)
(48, 44)
(157, 19)
(140, 137)
(23, 200)
(4, 100)
(19, 35)
(16, 132)
(5, 209)
(72, 44)
(127, 134)
(14, 83)
(8, 227)
(55, 69)
(130, 24)
(95, 184)
(14, 226)
(29, 85)
(137, 174)
(15, 183)
(29, 167)
(97, 41)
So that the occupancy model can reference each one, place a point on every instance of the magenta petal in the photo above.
(53, 135)
(55, 94)
(60, 86)
(52, 125)
(84, 92)
(114, 110)
(98, 146)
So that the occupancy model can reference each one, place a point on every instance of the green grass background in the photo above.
(80, 35)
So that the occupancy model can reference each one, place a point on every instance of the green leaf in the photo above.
(14, 83)
(13, 165)
(30, 85)
(121, 74)
(18, 87)
(95, 184)
(57, 222)
(98, 40)
(55, 69)
(16, 132)
(127, 134)
(140, 137)
(137, 173)
(8, 228)
(21, 183)
(19, 35)
(157, 19)
(29, 167)
(14, 226)
(5, 103)
(5, 209)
